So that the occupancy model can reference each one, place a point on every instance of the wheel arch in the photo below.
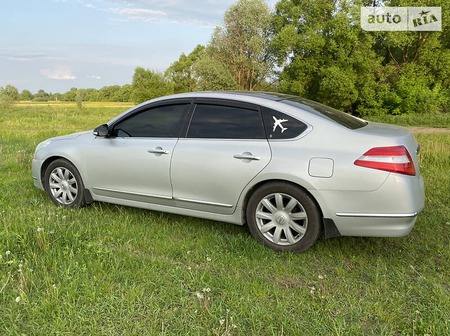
(53, 158)
(47, 163)
(327, 225)
(255, 187)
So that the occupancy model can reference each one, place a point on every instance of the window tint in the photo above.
(225, 122)
(160, 121)
(281, 126)
(340, 117)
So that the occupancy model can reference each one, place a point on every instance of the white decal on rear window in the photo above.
(278, 122)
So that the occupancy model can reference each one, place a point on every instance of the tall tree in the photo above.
(109, 93)
(241, 44)
(70, 95)
(8, 95)
(325, 55)
(211, 74)
(80, 97)
(26, 95)
(417, 64)
(148, 84)
(42, 96)
(181, 71)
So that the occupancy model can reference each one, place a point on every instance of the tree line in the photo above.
(114, 93)
(315, 49)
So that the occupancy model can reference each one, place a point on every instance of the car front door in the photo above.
(224, 149)
(134, 162)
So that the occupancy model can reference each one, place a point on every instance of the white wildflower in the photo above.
(208, 259)
(18, 299)
(321, 277)
(8, 252)
(206, 290)
(39, 229)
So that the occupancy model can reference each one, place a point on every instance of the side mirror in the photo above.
(101, 131)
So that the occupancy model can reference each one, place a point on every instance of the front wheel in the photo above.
(63, 183)
(283, 217)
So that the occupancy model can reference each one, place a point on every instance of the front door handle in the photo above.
(247, 156)
(158, 150)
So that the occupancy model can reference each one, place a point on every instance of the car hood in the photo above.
(70, 136)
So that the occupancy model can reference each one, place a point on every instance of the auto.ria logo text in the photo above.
(401, 18)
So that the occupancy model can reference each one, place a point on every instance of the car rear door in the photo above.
(224, 149)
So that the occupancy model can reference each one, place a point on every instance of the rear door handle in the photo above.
(158, 150)
(247, 156)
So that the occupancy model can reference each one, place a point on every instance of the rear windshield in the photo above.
(340, 117)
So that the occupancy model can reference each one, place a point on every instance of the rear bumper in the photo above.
(390, 211)
(396, 225)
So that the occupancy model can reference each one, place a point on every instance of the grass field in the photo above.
(112, 270)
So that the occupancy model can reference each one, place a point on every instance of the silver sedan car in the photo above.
(287, 167)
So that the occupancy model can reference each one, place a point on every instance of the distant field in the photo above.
(113, 270)
(417, 120)
(73, 104)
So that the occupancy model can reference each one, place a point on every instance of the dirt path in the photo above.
(418, 130)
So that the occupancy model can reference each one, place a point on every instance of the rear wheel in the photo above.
(63, 183)
(283, 217)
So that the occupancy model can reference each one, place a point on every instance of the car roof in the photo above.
(272, 96)
(290, 104)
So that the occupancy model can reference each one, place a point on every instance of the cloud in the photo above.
(59, 73)
(203, 13)
(137, 12)
(28, 57)
(93, 77)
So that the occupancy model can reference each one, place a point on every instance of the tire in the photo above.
(64, 185)
(283, 217)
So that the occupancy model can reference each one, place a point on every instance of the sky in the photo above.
(56, 45)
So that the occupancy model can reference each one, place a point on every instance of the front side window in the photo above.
(225, 122)
(161, 121)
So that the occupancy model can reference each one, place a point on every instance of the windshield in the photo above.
(340, 117)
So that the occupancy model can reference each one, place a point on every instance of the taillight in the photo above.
(395, 159)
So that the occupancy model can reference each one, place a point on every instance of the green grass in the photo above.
(112, 270)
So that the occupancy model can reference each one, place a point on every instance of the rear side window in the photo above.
(281, 126)
(324, 111)
(225, 122)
